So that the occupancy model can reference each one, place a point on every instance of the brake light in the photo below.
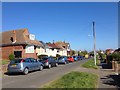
(46, 60)
(22, 60)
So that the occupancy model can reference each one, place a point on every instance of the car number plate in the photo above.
(13, 65)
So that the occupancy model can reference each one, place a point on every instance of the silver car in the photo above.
(24, 65)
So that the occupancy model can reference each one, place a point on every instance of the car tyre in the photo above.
(49, 66)
(56, 64)
(25, 72)
(65, 62)
(41, 68)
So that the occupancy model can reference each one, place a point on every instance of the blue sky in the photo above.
(65, 21)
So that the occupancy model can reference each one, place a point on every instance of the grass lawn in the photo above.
(3, 62)
(90, 64)
(75, 79)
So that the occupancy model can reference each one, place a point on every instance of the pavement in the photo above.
(108, 80)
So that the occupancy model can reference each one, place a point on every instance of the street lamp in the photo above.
(94, 42)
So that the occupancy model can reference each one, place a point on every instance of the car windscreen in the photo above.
(16, 61)
(44, 58)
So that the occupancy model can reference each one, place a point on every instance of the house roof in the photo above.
(62, 44)
(117, 50)
(44, 44)
(20, 36)
(54, 46)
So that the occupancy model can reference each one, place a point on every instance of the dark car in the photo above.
(49, 62)
(24, 65)
(80, 57)
(63, 59)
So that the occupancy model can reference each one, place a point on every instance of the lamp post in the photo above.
(94, 42)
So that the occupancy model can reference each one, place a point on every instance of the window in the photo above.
(11, 39)
(18, 54)
(27, 60)
(63, 46)
(29, 49)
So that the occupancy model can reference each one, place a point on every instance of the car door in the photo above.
(32, 64)
(53, 61)
(36, 64)
(28, 63)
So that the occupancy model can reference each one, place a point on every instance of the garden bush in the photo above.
(11, 56)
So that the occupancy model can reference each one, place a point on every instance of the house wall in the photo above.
(64, 52)
(53, 52)
(40, 51)
(6, 51)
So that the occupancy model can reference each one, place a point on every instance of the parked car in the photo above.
(24, 65)
(63, 59)
(70, 59)
(80, 57)
(75, 58)
(49, 62)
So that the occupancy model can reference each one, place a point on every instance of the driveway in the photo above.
(39, 78)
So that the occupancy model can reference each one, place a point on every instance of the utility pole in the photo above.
(94, 42)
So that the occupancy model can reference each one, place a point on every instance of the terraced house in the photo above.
(19, 42)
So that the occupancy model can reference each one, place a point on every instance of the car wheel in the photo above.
(41, 68)
(26, 71)
(49, 66)
(65, 62)
(56, 64)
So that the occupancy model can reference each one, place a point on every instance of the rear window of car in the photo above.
(16, 61)
(44, 58)
(73, 56)
(60, 58)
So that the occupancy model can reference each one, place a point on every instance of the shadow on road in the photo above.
(17, 74)
(112, 80)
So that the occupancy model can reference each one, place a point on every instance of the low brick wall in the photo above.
(4, 68)
(119, 68)
(116, 66)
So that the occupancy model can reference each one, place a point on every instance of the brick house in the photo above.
(19, 42)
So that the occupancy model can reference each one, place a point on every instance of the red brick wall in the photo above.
(6, 51)
(29, 55)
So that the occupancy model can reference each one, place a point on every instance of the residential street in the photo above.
(39, 78)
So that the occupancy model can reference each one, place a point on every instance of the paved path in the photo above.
(106, 77)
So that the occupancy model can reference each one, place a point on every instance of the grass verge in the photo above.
(3, 62)
(75, 79)
(90, 64)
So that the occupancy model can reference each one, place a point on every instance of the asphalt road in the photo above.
(38, 78)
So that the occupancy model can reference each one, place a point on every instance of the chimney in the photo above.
(14, 36)
(53, 41)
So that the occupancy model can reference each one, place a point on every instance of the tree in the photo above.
(72, 52)
(84, 52)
